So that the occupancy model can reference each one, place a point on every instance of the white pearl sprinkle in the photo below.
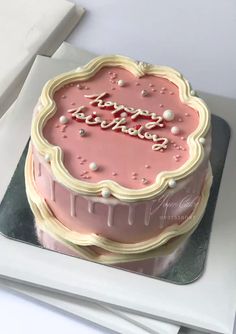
(106, 193)
(82, 132)
(123, 114)
(192, 92)
(63, 120)
(47, 157)
(121, 83)
(175, 130)
(93, 166)
(172, 183)
(144, 181)
(168, 115)
(202, 140)
(144, 92)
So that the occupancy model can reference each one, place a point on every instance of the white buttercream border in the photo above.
(62, 175)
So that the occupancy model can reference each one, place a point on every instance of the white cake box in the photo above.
(24, 33)
(207, 304)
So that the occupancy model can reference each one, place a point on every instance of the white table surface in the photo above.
(196, 38)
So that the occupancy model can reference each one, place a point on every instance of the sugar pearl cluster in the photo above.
(143, 92)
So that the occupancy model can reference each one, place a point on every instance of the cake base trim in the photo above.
(85, 252)
(42, 212)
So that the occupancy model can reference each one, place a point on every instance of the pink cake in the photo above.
(119, 157)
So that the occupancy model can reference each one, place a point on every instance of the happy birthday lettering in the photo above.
(97, 100)
(119, 123)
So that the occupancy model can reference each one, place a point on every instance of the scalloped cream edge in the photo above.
(51, 223)
(113, 258)
(139, 69)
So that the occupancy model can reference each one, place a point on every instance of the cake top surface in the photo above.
(120, 127)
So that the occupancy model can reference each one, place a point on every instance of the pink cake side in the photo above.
(118, 220)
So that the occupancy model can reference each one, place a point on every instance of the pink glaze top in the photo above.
(130, 159)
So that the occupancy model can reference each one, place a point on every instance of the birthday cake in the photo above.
(118, 165)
